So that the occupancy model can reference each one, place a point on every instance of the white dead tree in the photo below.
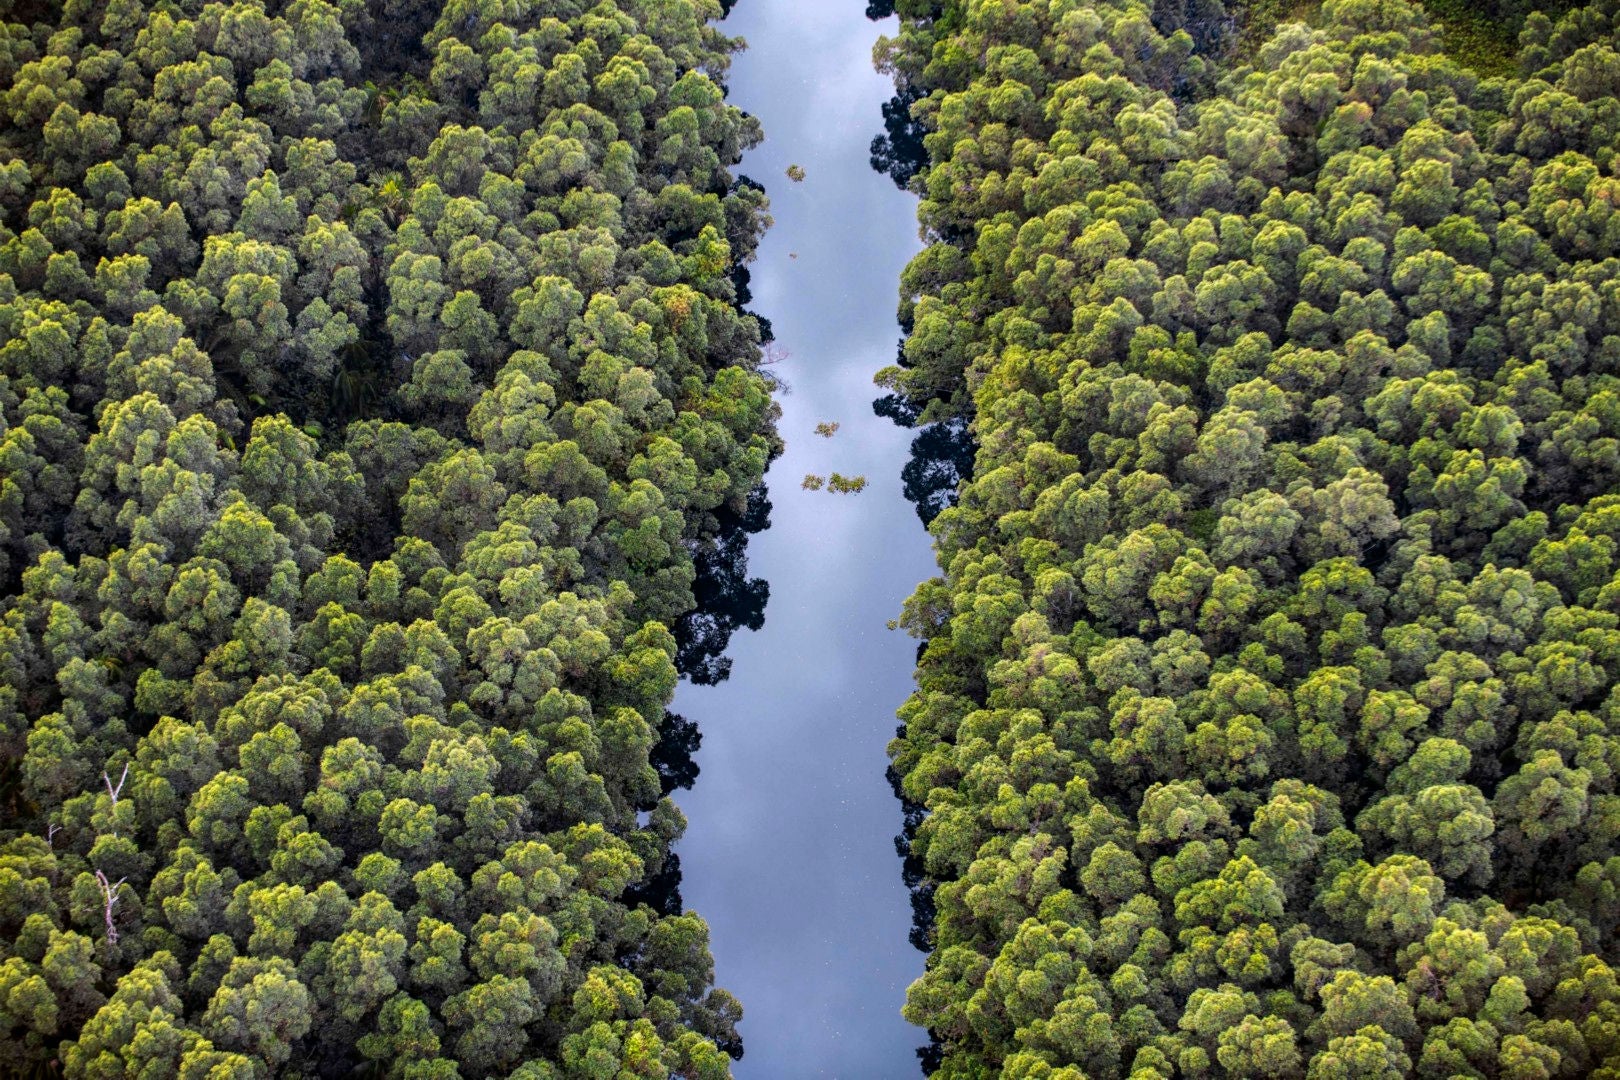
(109, 889)
(109, 900)
(114, 792)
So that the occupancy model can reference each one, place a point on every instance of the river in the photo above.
(790, 850)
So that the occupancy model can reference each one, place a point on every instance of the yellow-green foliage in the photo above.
(846, 485)
(369, 375)
(1264, 720)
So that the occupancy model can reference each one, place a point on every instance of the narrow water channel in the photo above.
(789, 854)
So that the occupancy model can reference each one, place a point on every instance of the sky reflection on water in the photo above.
(790, 854)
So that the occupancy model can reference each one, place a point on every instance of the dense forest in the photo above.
(1266, 721)
(381, 429)
(376, 403)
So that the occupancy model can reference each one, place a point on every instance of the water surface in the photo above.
(790, 854)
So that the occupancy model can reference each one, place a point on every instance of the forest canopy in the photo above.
(375, 395)
(1266, 720)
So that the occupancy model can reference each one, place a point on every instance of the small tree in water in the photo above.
(812, 482)
(846, 485)
(827, 428)
(795, 173)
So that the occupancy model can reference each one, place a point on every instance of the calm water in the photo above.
(790, 854)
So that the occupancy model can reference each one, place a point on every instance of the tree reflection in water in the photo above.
(727, 598)
(941, 458)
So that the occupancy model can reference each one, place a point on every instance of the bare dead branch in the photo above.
(109, 897)
(113, 792)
